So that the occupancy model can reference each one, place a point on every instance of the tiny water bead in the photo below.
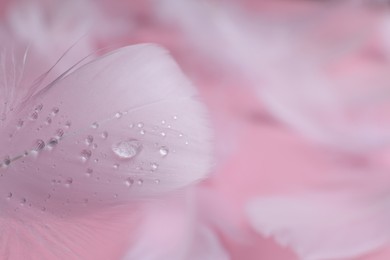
(39, 145)
(154, 166)
(163, 151)
(140, 182)
(140, 125)
(115, 166)
(89, 140)
(23, 201)
(9, 195)
(68, 182)
(142, 132)
(68, 124)
(85, 155)
(19, 124)
(59, 133)
(52, 143)
(6, 161)
(54, 111)
(127, 149)
(129, 182)
(104, 135)
(118, 115)
(89, 172)
(34, 115)
(38, 107)
(95, 125)
(48, 121)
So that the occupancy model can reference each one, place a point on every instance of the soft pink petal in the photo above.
(323, 226)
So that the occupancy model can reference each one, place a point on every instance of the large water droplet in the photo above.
(163, 151)
(85, 155)
(127, 149)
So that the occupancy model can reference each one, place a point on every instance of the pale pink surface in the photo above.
(257, 156)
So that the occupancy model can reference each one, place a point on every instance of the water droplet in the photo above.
(59, 133)
(48, 121)
(68, 124)
(104, 135)
(163, 122)
(9, 196)
(163, 134)
(118, 115)
(38, 107)
(140, 125)
(129, 182)
(85, 155)
(23, 201)
(94, 146)
(116, 166)
(154, 166)
(89, 140)
(157, 181)
(174, 117)
(96, 160)
(95, 125)
(19, 124)
(140, 182)
(181, 135)
(34, 115)
(127, 149)
(6, 161)
(89, 172)
(39, 145)
(54, 111)
(186, 142)
(142, 132)
(131, 125)
(52, 142)
(163, 151)
(68, 182)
